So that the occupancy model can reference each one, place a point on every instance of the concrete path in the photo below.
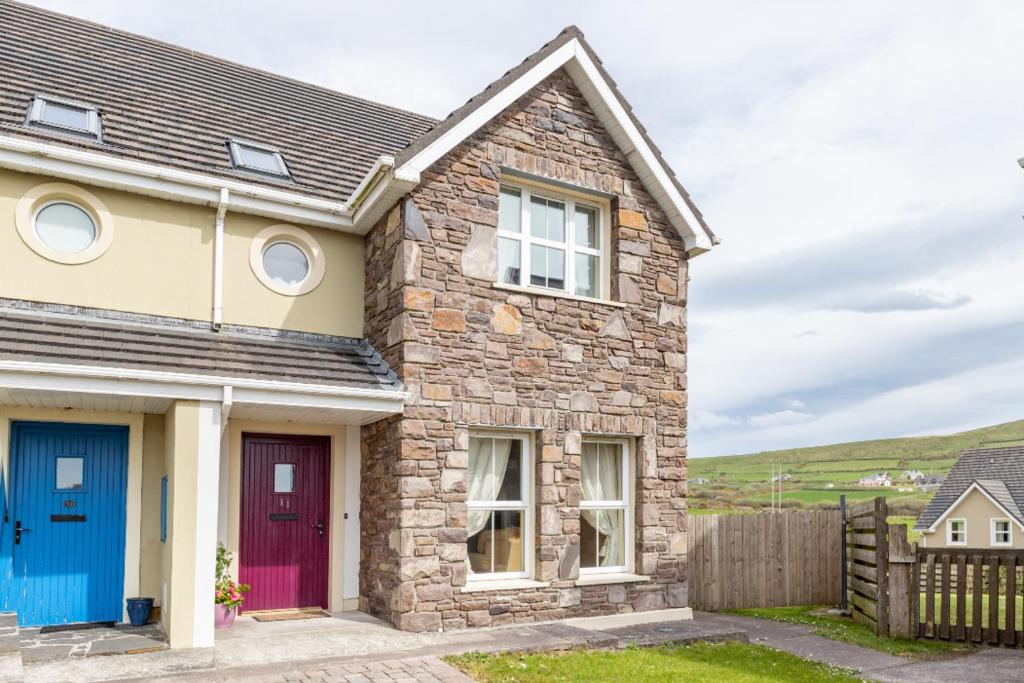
(984, 665)
(356, 647)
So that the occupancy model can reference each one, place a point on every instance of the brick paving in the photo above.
(406, 670)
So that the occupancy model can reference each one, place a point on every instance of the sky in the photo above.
(858, 161)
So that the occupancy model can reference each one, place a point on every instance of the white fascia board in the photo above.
(974, 486)
(381, 198)
(31, 156)
(609, 110)
(131, 382)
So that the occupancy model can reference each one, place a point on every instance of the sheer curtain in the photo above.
(484, 478)
(601, 474)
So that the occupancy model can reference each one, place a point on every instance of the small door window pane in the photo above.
(285, 263)
(509, 255)
(65, 228)
(510, 210)
(586, 275)
(586, 228)
(284, 478)
(70, 474)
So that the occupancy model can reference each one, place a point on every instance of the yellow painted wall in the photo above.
(153, 469)
(161, 262)
(180, 438)
(978, 511)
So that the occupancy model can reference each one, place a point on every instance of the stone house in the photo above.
(431, 370)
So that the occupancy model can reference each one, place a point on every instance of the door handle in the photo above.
(319, 526)
(18, 528)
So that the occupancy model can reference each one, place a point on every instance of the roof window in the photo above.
(259, 158)
(73, 117)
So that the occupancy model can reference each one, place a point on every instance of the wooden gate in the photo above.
(867, 553)
(765, 560)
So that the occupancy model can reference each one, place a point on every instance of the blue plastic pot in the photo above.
(138, 610)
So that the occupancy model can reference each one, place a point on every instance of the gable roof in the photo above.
(168, 113)
(176, 107)
(998, 472)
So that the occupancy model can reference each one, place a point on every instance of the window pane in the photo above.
(478, 545)
(481, 487)
(509, 255)
(586, 228)
(508, 468)
(556, 221)
(588, 539)
(587, 268)
(284, 478)
(259, 159)
(510, 209)
(285, 263)
(508, 541)
(612, 538)
(601, 477)
(611, 471)
(65, 116)
(69, 474)
(547, 267)
(65, 228)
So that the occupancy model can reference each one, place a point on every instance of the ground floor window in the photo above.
(604, 507)
(499, 512)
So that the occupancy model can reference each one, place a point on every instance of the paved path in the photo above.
(984, 665)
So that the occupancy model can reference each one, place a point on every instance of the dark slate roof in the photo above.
(44, 333)
(511, 75)
(172, 106)
(1000, 471)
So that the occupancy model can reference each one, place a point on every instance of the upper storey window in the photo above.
(551, 241)
(259, 158)
(64, 115)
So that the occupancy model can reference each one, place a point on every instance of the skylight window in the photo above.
(259, 158)
(59, 114)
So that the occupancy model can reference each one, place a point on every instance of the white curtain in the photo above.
(602, 471)
(485, 479)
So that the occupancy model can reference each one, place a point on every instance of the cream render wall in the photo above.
(160, 262)
(978, 511)
(153, 469)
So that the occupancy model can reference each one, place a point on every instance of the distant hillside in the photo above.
(819, 474)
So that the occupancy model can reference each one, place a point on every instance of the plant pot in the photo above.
(223, 616)
(138, 610)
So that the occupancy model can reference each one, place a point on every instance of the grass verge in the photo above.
(848, 631)
(695, 663)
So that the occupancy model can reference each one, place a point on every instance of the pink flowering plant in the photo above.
(228, 592)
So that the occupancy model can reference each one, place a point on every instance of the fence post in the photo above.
(882, 565)
(844, 577)
(903, 588)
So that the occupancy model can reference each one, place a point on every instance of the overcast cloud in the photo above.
(858, 161)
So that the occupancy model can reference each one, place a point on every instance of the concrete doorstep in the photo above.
(351, 642)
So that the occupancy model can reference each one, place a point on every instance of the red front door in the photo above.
(284, 524)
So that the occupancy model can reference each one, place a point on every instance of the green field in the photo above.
(740, 483)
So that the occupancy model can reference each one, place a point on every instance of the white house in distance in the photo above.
(880, 479)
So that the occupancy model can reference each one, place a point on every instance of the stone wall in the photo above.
(474, 355)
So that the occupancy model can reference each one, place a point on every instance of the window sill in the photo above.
(618, 577)
(555, 294)
(502, 585)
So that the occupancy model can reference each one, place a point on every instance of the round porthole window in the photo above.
(65, 228)
(64, 223)
(285, 263)
(287, 260)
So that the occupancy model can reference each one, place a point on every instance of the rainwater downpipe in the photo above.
(218, 259)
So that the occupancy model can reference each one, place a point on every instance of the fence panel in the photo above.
(764, 560)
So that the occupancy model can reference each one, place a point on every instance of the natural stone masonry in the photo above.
(474, 355)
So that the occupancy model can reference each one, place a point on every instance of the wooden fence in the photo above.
(971, 595)
(867, 557)
(765, 560)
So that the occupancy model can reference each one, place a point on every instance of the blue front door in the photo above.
(68, 486)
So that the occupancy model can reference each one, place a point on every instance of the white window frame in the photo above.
(526, 239)
(38, 110)
(236, 158)
(1009, 531)
(525, 505)
(625, 504)
(949, 531)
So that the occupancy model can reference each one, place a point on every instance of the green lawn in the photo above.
(912, 536)
(969, 608)
(697, 663)
(848, 631)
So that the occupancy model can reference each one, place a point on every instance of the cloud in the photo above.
(779, 419)
(706, 420)
(895, 300)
